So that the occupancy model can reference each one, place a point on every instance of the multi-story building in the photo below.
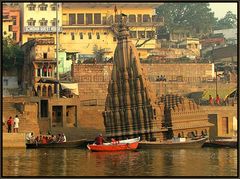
(39, 67)
(39, 20)
(89, 25)
(11, 22)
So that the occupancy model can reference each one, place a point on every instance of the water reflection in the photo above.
(152, 162)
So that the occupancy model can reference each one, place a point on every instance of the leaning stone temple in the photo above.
(132, 109)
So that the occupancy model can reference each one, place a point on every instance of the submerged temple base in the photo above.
(131, 108)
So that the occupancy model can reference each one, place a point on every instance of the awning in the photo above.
(71, 86)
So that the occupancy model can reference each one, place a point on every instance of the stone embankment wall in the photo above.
(13, 140)
(93, 79)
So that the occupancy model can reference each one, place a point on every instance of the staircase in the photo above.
(27, 120)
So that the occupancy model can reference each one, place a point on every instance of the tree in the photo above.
(197, 18)
(13, 56)
(227, 22)
(99, 54)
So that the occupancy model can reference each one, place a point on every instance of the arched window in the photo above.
(49, 91)
(39, 90)
(44, 70)
(50, 71)
(44, 91)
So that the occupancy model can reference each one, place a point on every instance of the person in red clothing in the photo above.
(217, 100)
(210, 100)
(44, 140)
(99, 139)
(10, 124)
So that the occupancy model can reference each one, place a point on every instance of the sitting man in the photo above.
(30, 138)
(99, 140)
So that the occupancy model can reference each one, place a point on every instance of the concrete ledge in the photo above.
(14, 140)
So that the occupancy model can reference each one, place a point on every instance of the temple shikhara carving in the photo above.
(132, 109)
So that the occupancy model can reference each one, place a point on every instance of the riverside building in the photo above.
(89, 26)
(39, 20)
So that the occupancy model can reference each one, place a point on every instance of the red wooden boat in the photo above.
(122, 145)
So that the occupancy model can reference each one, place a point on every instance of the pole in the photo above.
(216, 83)
(57, 50)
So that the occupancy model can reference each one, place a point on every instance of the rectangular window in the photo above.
(81, 35)
(45, 55)
(14, 19)
(139, 17)
(80, 18)
(150, 34)
(146, 18)
(104, 20)
(43, 23)
(72, 19)
(114, 39)
(89, 19)
(54, 7)
(141, 34)
(89, 35)
(31, 8)
(14, 36)
(117, 18)
(42, 7)
(132, 18)
(10, 28)
(133, 34)
(97, 18)
(72, 36)
(53, 23)
(31, 23)
(98, 35)
(44, 108)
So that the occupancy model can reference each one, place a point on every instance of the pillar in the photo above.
(64, 116)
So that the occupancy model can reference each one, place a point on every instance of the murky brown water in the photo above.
(154, 162)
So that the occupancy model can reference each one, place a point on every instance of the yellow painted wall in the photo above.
(5, 26)
(85, 45)
(37, 15)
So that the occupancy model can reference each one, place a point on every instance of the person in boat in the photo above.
(99, 139)
(52, 139)
(30, 138)
(113, 141)
(64, 139)
(44, 140)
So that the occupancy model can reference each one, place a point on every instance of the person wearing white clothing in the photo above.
(64, 138)
(16, 124)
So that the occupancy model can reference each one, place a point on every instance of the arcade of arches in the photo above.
(44, 70)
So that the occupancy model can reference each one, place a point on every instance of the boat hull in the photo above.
(230, 144)
(69, 144)
(112, 148)
(173, 145)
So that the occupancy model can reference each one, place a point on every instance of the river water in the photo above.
(148, 162)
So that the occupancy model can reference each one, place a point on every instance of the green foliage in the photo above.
(99, 54)
(13, 56)
(197, 18)
(227, 22)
